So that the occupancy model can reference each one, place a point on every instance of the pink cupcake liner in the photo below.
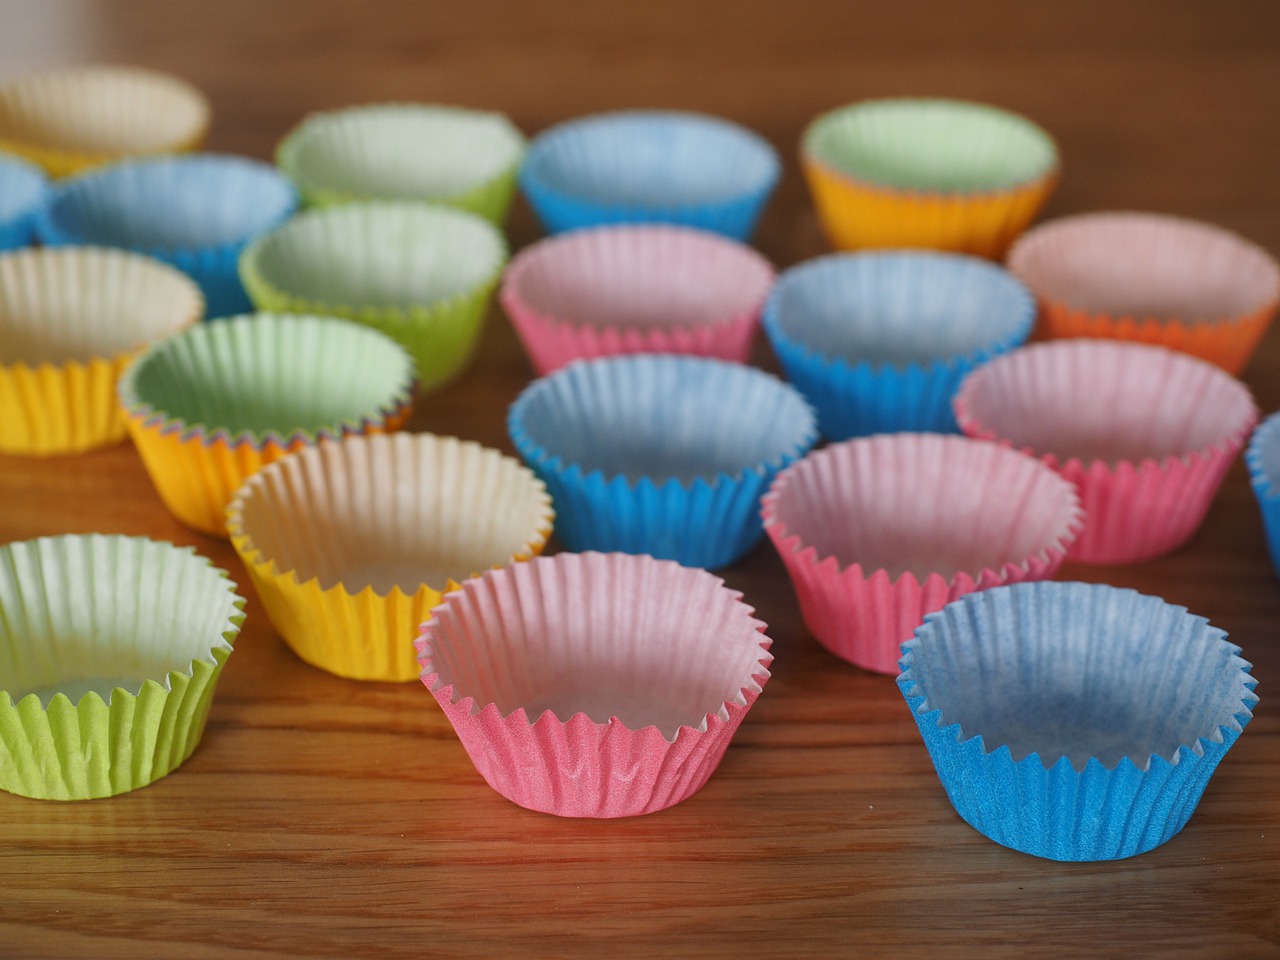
(1144, 433)
(879, 531)
(595, 685)
(644, 288)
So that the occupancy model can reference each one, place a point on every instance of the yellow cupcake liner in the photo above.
(72, 120)
(61, 409)
(856, 215)
(318, 528)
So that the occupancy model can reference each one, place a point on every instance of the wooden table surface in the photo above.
(324, 817)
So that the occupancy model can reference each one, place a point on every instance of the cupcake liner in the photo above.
(1145, 434)
(1075, 721)
(877, 532)
(1262, 457)
(351, 544)
(943, 174)
(196, 212)
(23, 194)
(649, 288)
(73, 119)
(70, 322)
(406, 151)
(664, 455)
(422, 274)
(636, 166)
(879, 342)
(110, 648)
(595, 685)
(211, 406)
(1152, 278)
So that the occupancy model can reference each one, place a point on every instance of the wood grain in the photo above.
(328, 818)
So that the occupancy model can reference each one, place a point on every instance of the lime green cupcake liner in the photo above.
(406, 151)
(421, 273)
(110, 650)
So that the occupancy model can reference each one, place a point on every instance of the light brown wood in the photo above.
(322, 817)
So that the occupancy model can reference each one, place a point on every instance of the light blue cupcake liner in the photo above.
(879, 342)
(650, 167)
(24, 191)
(656, 454)
(1074, 721)
(1262, 457)
(196, 212)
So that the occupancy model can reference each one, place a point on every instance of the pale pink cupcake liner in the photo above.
(1145, 434)
(595, 685)
(640, 288)
(876, 532)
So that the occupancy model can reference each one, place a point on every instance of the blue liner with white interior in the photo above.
(1262, 457)
(196, 212)
(664, 455)
(1074, 721)
(879, 341)
(650, 167)
(24, 191)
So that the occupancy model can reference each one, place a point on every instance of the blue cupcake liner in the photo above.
(196, 212)
(1262, 457)
(1074, 721)
(650, 167)
(878, 342)
(24, 191)
(660, 454)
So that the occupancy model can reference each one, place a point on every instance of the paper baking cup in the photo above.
(422, 274)
(650, 166)
(23, 193)
(196, 212)
(879, 342)
(70, 322)
(877, 532)
(351, 544)
(406, 151)
(70, 120)
(1263, 460)
(110, 649)
(210, 407)
(1075, 721)
(1145, 434)
(1151, 278)
(943, 174)
(664, 455)
(647, 288)
(595, 685)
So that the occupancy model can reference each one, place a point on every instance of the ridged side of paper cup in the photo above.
(595, 685)
(195, 212)
(110, 649)
(210, 407)
(1262, 457)
(420, 273)
(650, 167)
(647, 288)
(1152, 278)
(70, 120)
(23, 194)
(406, 151)
(660, 455)
(1146, 435)
(879, 342)
(350, 544)
(70, 322)
(931, 173)
(877, 532)
(1075, 721)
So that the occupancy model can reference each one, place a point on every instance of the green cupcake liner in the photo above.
(110, 649)
(420, 273)
(406, 151)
